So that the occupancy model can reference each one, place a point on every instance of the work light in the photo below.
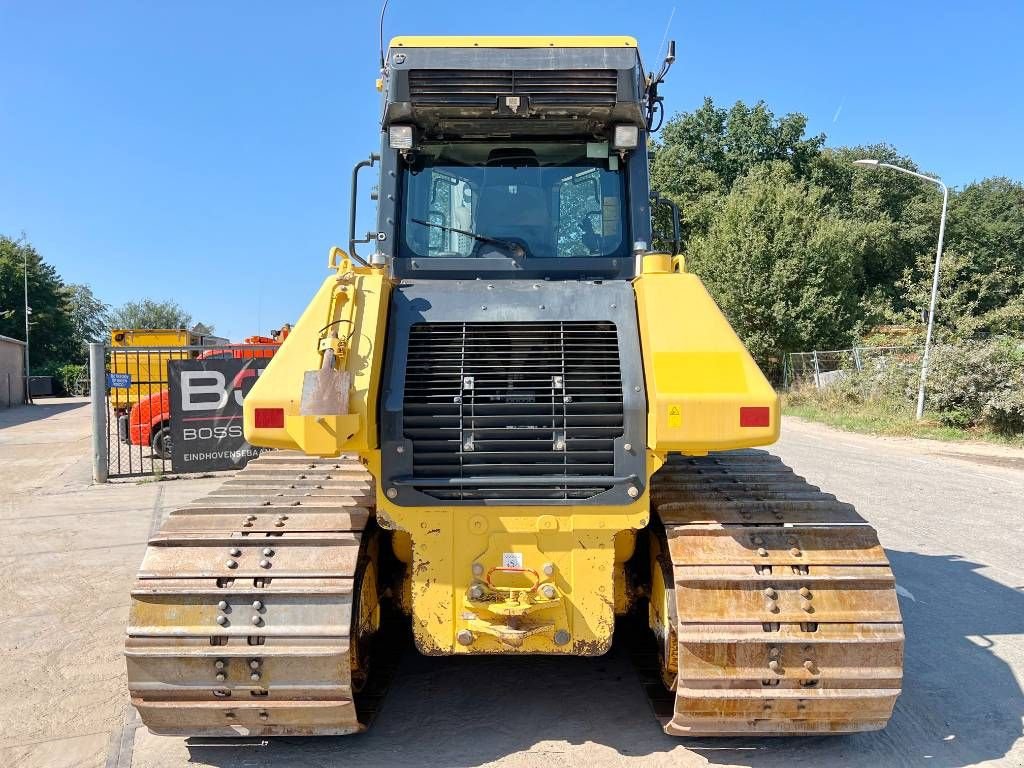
(400, 136)
(625, 137)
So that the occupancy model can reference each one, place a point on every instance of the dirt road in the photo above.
(951, 518)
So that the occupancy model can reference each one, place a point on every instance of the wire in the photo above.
(336, 322)
(668, 26)
(659, 106)
(383, 9)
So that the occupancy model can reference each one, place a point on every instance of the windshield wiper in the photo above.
(516, 249)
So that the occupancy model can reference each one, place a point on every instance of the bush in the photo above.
(979, 383)
(971, 385)
(68, 376)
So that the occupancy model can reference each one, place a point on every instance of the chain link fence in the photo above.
(821, 368)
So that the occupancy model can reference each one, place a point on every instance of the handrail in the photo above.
(370, 236)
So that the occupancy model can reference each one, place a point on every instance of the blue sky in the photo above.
(201, 151)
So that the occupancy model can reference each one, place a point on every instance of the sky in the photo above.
(202, 151)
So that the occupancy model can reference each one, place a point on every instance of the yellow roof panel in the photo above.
(501, 41)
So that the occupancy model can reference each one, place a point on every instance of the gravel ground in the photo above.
(951, 517)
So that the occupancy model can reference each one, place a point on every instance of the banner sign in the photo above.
(206, 412)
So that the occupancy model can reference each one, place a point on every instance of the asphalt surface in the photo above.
(950, 516)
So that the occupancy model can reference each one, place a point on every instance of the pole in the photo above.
(866, 162)
(931, 306)
(98, 393)
(28, 369)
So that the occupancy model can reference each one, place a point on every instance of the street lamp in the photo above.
(28, 311)
(868, 163)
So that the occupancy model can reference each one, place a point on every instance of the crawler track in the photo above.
(781, 601)
(241, 616)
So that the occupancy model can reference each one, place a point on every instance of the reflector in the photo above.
(271, 418)
(755, 416)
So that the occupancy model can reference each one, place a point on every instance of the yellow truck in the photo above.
(138, 361)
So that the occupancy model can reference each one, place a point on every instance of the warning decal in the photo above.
(675, 416)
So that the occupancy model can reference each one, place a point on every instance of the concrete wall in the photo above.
(12, 372)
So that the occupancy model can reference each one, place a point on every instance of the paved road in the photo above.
(68, 552)
(951, 517)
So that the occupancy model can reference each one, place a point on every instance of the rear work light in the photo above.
(625, 137)
(270, 418)
(755, 416)
(400, 136)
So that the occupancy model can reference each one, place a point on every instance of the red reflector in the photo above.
(751, 416)
(270, 417)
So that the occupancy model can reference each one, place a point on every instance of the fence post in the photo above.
(856, 357)
(817, 371)
(98, 393)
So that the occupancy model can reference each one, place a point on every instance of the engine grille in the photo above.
(476, 87)
(540, 402)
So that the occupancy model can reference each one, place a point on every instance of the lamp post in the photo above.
(868, 163)
(28, 311)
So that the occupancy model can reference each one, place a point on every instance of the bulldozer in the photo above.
(511, 424)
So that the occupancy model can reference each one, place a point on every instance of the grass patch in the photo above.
(882, 417)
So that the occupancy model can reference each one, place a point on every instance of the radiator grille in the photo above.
(474, 87)
(537, 401)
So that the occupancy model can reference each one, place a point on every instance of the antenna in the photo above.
(383, 9)
(656, 103)
(668, 26)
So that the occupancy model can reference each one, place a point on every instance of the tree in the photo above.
(149, 313)
(900, 216)
(782, 266)
(701, 154)
(982, 278)
(890, 219)
(51, 326)
(88, 318)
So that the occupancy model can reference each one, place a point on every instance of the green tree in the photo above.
(982, 277)
(149, 313)
(701, 154)
(88, 318)
(783, 267)
(51, 328)
(900, 219)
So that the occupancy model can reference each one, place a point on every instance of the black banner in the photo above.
(206, 413)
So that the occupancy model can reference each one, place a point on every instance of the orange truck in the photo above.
(149, 421)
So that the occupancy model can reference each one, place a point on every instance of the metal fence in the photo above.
(131, 404)
(822, 368)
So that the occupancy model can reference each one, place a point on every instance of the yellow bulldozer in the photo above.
(508, 427)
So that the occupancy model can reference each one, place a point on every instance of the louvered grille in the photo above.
(537, 401)
(473, 87)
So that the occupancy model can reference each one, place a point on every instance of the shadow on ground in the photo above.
(40, 409)
(961, 703)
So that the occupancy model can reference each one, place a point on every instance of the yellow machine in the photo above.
(547, 426)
